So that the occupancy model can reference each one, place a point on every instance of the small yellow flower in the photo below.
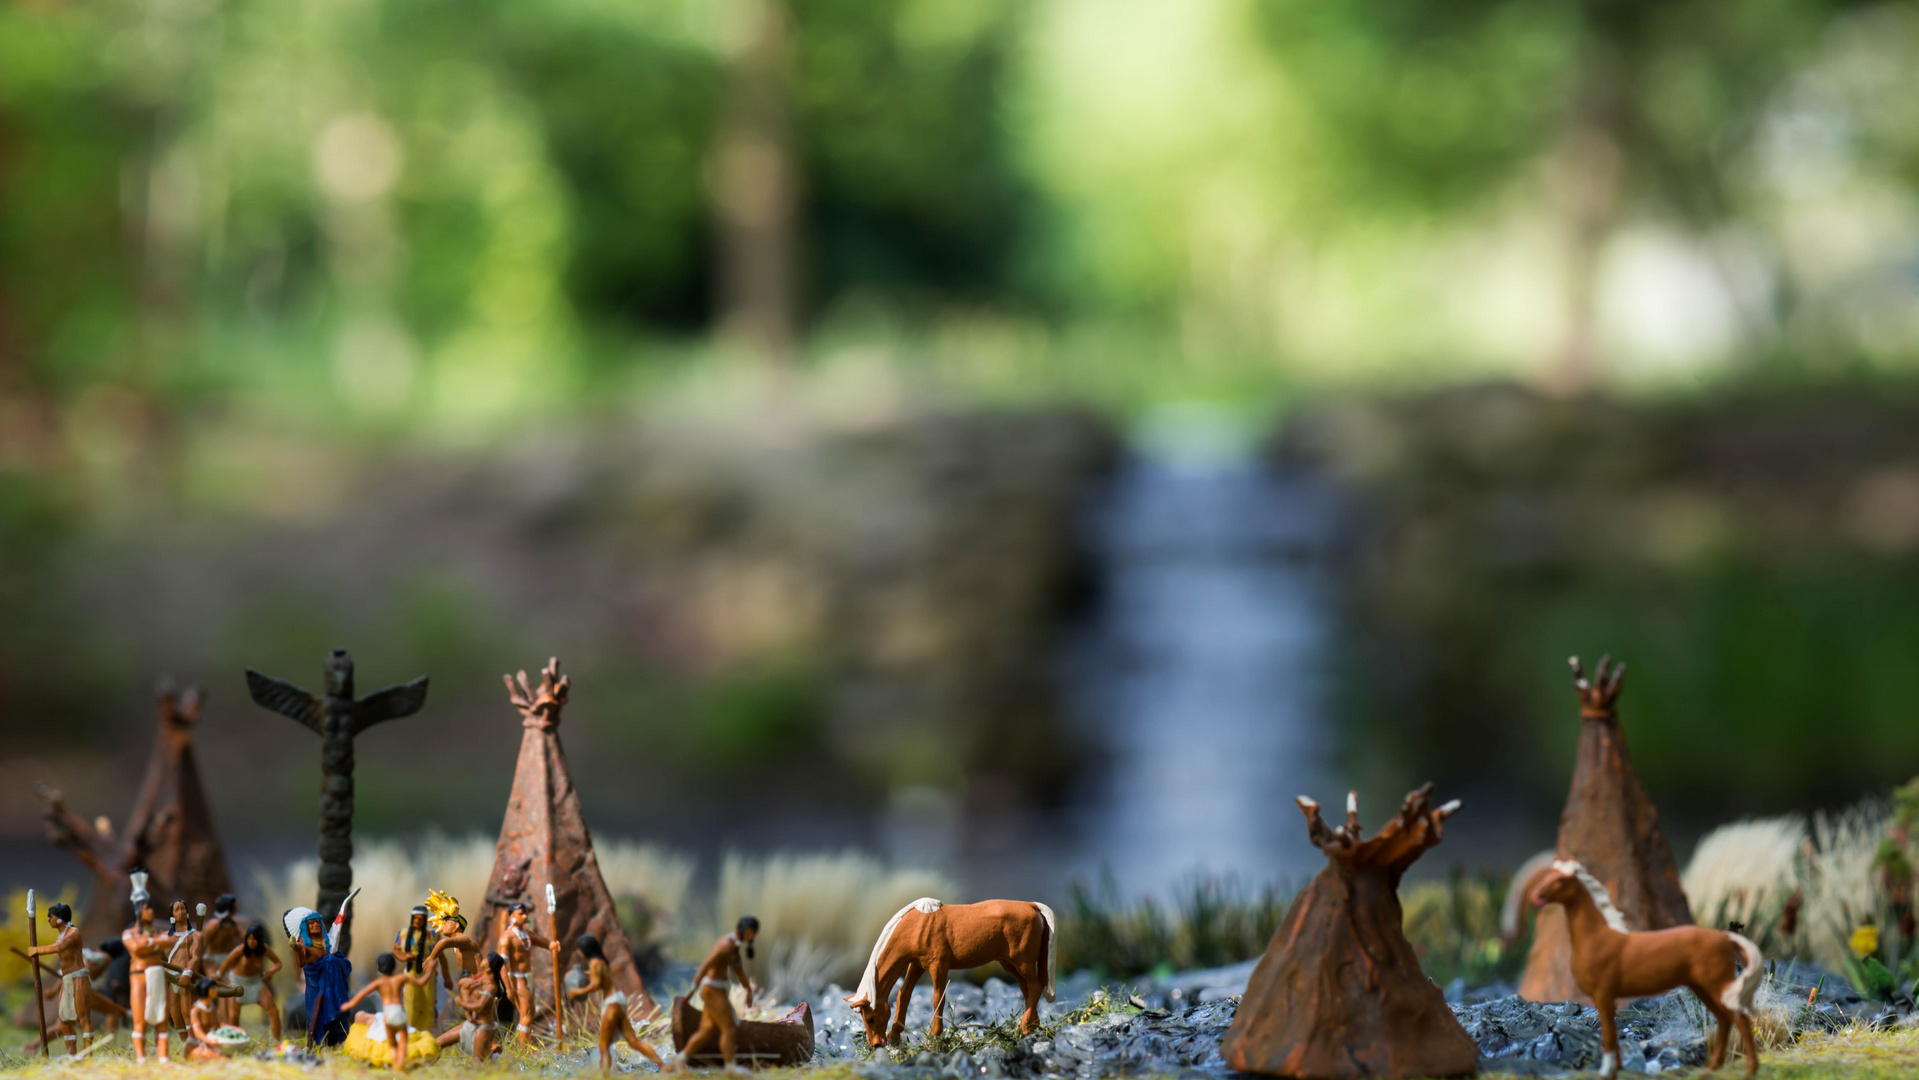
(1865, 941)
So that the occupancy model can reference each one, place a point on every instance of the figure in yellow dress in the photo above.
(411, 948)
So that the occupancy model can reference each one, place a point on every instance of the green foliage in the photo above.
(1453, 926)
(1214, 923)
(1738, 670)
(1005, 1033)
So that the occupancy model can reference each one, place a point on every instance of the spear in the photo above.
(559, 999)
(39, 998)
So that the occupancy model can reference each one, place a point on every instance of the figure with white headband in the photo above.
(317, 950)
(146, 951)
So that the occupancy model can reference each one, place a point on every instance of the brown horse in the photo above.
(928, 937)
(1611, 961)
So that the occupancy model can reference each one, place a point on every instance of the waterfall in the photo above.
(1200, 677)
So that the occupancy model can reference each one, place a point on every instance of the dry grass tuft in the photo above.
(394, 875)
(1744, 872)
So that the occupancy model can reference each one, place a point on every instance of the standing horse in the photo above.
(928, 937)
(1611, 961)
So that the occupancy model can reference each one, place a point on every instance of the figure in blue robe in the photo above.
(327, 970)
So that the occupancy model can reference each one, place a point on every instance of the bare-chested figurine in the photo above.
(614, 1021)
(76, 985)
(517, 944)
(221, 931)
(480, 997)
(188, 954)
(147, 953)
(451, 928)
(390, 984)
(253, 964)
(717, 1022)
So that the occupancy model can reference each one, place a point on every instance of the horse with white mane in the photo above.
(932, 938)
(1611, 961)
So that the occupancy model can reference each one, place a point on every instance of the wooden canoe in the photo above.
(761, 1044)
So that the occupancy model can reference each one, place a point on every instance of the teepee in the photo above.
(544, 842)
(170, 832)
(1339, 992)
(1611, 826)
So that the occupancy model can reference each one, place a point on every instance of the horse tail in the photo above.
(1049, 944)
(1513, 910)
(1738, 994)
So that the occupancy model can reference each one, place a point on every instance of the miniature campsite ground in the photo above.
(1851, 1053)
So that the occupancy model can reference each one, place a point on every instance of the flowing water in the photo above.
(1201, 676)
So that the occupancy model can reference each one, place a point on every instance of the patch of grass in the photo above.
(977, 1036)
(1453, 926)
(1214, 922)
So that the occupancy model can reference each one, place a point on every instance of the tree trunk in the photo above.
(1586, 180)
(755, 191)
(1339, 992)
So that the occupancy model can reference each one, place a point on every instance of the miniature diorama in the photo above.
(337, 717)
(935, 939)
(1611, 827)
(169, 835)
(1611, 962)
(545, 854)
(1339, 992)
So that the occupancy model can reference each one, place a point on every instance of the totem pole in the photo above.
(336, 718)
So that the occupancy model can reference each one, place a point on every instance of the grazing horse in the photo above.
(928, 937)
(1611, 961)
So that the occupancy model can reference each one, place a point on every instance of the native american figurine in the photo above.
(1610, 827)
(934, 938)
(545, 853)
(1339, 992)
(614, 1021)
(449, 929)
(321, 954)
(76, 983)
(719, 1028)
(169, 834)
(1611, 962)
(147, 948)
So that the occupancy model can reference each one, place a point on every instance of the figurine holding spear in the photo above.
(39, 995)
(559, 998)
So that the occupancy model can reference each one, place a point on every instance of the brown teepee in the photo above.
(1339, 992)
(170, 832)
(544, 841)
(1611, 826)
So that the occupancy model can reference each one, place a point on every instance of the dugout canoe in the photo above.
(762, 1044)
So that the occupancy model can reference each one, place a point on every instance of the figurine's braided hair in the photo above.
(505, 1012)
